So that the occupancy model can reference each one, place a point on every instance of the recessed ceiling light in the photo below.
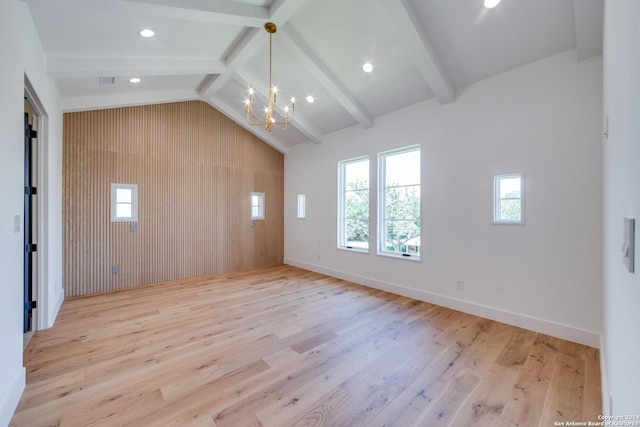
(134, 80)
(310, 99)
(146, 33)
(367, 67)
(491, 3)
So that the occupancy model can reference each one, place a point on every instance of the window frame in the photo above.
(114, 202)
(341, 237)
(496, 219)
(260, 205)
(382, 199)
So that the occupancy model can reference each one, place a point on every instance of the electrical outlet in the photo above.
(115, 269)
(261, 252)
(460, 285)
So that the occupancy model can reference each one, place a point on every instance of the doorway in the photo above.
(30, 224)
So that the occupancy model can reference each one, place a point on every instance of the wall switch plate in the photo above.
(16, 223)
(460, 285)
(115, 269)
(133, 227)
(628, 244)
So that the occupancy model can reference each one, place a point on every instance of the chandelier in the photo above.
(270, 117)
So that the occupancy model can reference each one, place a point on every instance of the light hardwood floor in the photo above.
(281, 346)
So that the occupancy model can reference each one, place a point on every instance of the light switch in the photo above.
(628, 243)
(16, 223)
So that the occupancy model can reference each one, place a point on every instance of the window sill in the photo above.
(507, 223)
(353, 249)
(408, 257)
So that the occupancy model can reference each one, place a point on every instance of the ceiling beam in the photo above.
(215, 11)
(281, 10)
(404, 19)
(589, 26)
(299, 123)
(65, 67)
(319, 70)
(248, 46)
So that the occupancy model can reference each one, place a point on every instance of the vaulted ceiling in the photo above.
(215, 50)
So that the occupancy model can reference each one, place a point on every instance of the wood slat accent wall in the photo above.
(195, 170)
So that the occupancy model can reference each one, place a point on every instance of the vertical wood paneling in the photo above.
(194, 169)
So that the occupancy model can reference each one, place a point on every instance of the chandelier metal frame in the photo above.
(270, 118)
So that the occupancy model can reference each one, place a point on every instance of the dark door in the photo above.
(29, 247)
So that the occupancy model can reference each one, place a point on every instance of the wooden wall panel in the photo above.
(195, 170)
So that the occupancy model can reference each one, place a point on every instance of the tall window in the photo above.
(508, 199)
(124, 202)
(353, 204)
(301, 206)
(399, 202)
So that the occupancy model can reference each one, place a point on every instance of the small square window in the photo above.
(257, 205)
(301, 206)
(508, 198)
(124, 202)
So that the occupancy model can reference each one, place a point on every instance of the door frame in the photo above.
(41, 295)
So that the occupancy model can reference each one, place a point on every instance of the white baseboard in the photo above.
(55, 309)
(604, 380)
(559, 330)
(10, 401)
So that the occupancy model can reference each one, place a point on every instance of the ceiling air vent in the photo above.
(107, 80)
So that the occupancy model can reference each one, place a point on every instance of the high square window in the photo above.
(124, 202)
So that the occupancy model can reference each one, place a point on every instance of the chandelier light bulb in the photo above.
(489, 4)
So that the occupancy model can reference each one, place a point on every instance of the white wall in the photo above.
(621, 199)
(544, 119)
(22, 55)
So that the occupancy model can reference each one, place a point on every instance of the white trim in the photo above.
(548, 327)
(53, 313)
(114, 202)
(604, 379)
(9, 402)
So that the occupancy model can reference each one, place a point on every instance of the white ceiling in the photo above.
(215, 49)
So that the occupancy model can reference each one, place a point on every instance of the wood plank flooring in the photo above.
(281, 346)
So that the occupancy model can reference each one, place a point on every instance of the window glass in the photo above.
(353, 204)
(257, 205)
(508, 199)
(301, 206)
(124, 202)
(399, 203)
